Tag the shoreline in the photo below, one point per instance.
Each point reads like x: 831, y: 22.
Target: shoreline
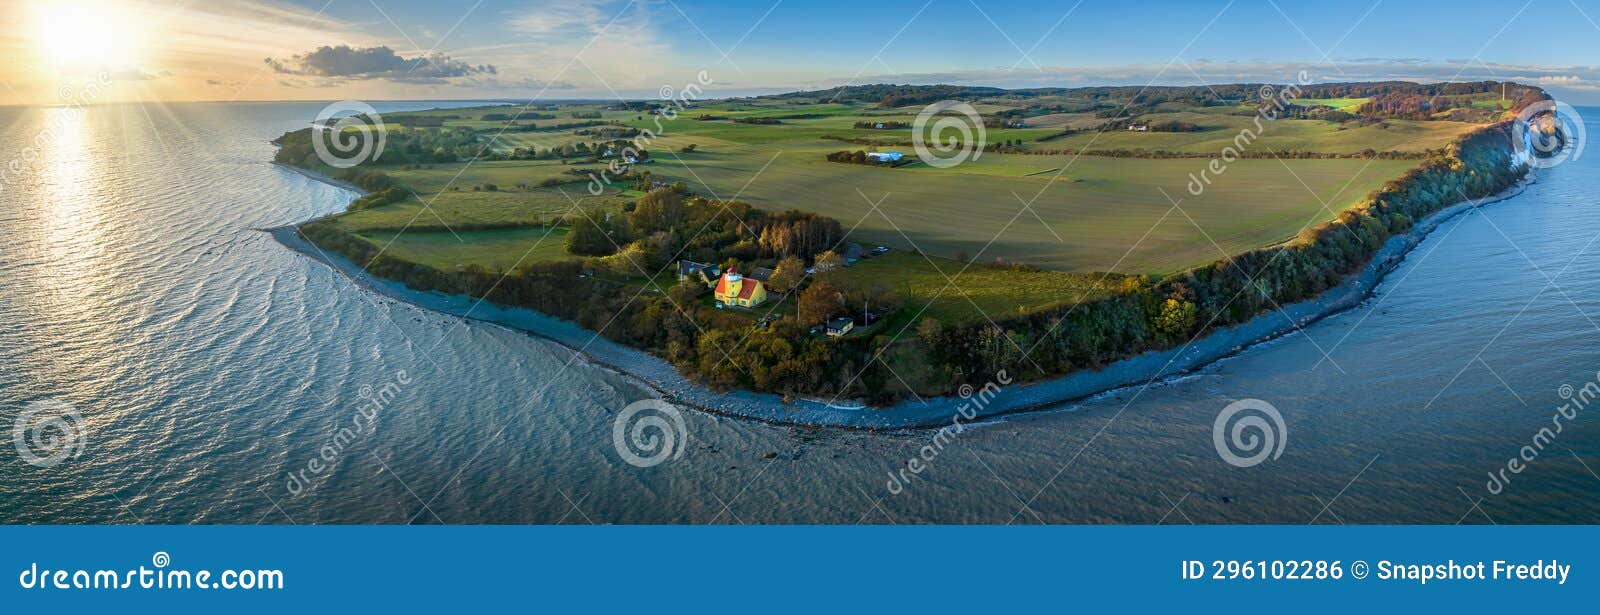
x: 337, y: 183
x: 1052, y: 394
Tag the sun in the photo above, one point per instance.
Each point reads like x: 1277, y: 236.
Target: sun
x: 87, y: 34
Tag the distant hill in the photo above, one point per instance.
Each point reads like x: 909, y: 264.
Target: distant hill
x: 887, y: 95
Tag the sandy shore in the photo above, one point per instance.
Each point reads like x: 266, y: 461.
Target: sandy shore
x: 654, y: 373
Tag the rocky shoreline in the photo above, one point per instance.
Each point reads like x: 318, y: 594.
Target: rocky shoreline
x: 654, y: 373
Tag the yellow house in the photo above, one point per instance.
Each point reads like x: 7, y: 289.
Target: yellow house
x: 738, y: 290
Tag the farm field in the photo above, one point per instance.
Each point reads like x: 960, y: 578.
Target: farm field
x: 952, y: 291
x: 505, y: 174
x: 475, y: 210
x: 497, y: 250
x: 1103, y: 214
x: 1084, y: 213
x: 1342, y: 104
x: 1220, y: 131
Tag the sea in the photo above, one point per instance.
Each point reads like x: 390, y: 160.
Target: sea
x: 163, y: 360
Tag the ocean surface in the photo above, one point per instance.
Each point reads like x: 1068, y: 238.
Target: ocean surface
x: 205, y: 374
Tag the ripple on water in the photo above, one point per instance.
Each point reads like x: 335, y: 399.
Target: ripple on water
x: 210, y: 363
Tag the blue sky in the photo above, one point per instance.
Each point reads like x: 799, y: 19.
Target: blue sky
x: 588, y: 48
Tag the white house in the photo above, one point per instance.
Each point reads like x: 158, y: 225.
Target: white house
x: 840, y: 326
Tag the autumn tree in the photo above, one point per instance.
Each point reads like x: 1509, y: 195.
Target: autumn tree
x: 592, y: 237
x: 660, y: 210
x: 819, y: 302
x: 787, y: 274
x: 797, y: 232
x: 829, y: 261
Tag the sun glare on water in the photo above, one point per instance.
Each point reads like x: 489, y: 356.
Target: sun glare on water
x: 87, y: 35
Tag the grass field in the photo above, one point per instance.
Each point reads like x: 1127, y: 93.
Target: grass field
x: 496, y: 250
x: 1343, y: 104
x: 505, y: 174
x: 1102, y: 212
x: 469, y: 210
x: 1220, y: 130
x: 1083, y: 213
x: 976, y: 293
x: 451, y: 200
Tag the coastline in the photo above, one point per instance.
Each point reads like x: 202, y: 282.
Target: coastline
x: 1056, y: 393
x: 337, y: 183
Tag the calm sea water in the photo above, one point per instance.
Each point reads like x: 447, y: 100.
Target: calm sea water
x: 208, y: 364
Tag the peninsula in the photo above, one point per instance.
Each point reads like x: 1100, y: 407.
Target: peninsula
x: 905, y: 246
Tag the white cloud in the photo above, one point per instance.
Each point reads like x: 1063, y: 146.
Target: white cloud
x: 593, y: 46
x: 559, y: 19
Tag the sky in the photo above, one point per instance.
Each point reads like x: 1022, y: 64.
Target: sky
x: 229, y: 50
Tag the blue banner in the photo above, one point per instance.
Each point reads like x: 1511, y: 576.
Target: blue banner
x: 796, y: 569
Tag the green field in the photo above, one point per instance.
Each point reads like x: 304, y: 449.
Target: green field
x: 1343, y: 104
x: 497, y: 250
x: 1220, y: 131
x: 1084, y: 213
x: 459, y: 207
x: 952, y: 291
x: 1099, y: 210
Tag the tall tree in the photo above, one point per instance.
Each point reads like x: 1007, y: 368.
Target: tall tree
x: 788, y: 274
x: 819, y: 302
x: 660, y: 210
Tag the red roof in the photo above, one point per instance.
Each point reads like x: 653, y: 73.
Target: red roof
x: 746, y: 291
